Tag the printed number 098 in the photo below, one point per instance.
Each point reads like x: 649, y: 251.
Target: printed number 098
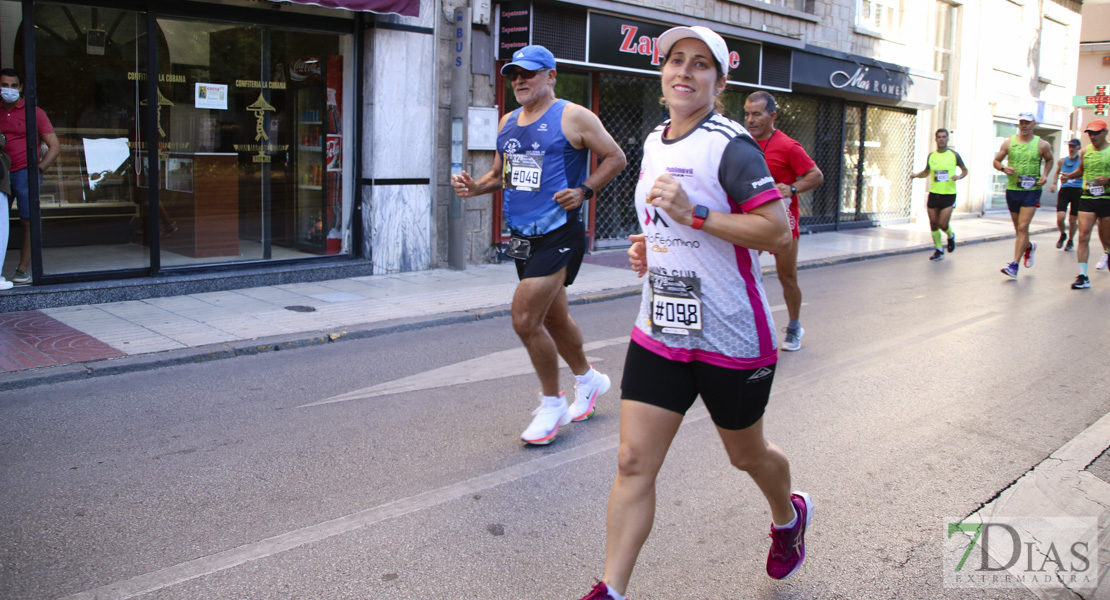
x: 670, y: 312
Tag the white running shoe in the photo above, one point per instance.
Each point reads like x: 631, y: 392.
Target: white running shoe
x: 5, y: 284
x: 586, y: 393
x: 548, y: 419
x: 793, y: 341
x: 1102, y: 262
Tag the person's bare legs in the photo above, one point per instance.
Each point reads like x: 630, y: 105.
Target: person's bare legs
x: 749, y: 451
x: 646, y: 433
x: 1021, y: 227
x: 1104, y: 232
x: 532, y: 301
x: 1083, y: 244
x: 786, y: 265
x: 944, y: 218
x: 566, y: 334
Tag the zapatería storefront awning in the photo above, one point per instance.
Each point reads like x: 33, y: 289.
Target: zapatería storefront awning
x: 406, y: 8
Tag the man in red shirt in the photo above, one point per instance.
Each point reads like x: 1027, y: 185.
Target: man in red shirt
x: 13, y: 125
x: 794, y: 172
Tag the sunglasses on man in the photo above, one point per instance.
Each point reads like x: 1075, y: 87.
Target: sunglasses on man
x: 525, y: 75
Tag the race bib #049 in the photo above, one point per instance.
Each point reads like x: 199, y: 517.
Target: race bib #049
x: 522, y: 172
x: 675, y: 305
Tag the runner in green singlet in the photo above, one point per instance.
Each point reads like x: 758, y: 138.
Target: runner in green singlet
x: 1026, y: 155
x: 941, y: 171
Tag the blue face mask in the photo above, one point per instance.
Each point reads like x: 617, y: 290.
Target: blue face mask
x: 9, y: 95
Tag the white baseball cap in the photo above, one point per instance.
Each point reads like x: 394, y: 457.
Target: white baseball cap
x: 715, y: 42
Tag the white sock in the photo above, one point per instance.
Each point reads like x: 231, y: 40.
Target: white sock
x: 614, y: 595
x: 587, y: 376
x: 789, y: 525
x: 552, y: 400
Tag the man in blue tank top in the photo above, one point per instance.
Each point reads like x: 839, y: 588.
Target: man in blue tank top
x: 1070, y: 191
x: 541, y: 164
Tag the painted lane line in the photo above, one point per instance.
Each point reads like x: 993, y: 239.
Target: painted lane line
x: 507, y: 363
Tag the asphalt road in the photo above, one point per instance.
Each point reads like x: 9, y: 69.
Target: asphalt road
x: 391, y: 467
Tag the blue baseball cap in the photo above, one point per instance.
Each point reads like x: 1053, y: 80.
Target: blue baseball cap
x: 1074, y: 142
x: 531, y: 58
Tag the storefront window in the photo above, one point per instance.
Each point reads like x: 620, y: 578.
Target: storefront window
x: 253, y: 143
x: 92, y: 213
x: 878, y: 159
x: 249, y: 139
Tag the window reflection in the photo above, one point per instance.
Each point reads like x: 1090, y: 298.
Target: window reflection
x: 106, y: 161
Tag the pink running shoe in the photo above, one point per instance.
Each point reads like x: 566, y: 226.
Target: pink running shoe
x: 599, y: 592
x: 788, y: 546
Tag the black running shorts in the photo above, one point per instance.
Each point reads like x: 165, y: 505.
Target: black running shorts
x: 1100, y: 206
x: 941, y: 200
x: 562, y: 247
x: 1069, y: 196
x: 735, y: 398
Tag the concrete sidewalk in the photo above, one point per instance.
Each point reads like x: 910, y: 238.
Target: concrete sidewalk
x: 78, y: 342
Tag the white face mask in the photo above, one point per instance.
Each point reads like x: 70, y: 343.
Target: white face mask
x: 9, y: 95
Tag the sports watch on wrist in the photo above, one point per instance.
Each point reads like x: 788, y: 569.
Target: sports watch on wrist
x: 701, y: 213
x: 587, y: 191
x: 793, y: 191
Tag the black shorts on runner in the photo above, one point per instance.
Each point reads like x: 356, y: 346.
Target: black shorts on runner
x: 1069, y: 197
x: 1101, y: 206
x: 562, y: 247
x: 941, y: 200
x: 735, y: 398
x: 1018, y: 199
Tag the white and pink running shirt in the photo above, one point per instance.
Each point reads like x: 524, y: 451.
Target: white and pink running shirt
x: 704, y: 298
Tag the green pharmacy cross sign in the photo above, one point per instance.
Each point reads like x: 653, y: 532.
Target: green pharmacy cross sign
x: 1100, y: 100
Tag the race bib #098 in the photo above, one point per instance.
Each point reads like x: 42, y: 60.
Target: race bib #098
x: 1026, y: 181
x: 675, y: 305
x: 522, y: 172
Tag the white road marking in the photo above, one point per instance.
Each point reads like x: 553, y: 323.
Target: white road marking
x: 507, y: 363
x: 1026, y: 494
x: 207, y: 565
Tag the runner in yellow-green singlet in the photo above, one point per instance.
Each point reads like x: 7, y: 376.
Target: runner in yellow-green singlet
x: 941, y: 171
x: 1028, y: 165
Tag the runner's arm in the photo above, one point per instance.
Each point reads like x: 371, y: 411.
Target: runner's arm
x: 998, y: 158
x: 960, y: 164
x: 1046, y: 156
x: 809, y: 180
x: 584, y: 130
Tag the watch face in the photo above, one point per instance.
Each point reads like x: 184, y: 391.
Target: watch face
x: 587, y: 192
x: 701, y: 211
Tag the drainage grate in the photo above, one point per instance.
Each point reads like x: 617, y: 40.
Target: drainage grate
x: 298, y: 308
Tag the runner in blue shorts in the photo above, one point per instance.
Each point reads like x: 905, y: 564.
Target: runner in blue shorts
x: 1028, y: 165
